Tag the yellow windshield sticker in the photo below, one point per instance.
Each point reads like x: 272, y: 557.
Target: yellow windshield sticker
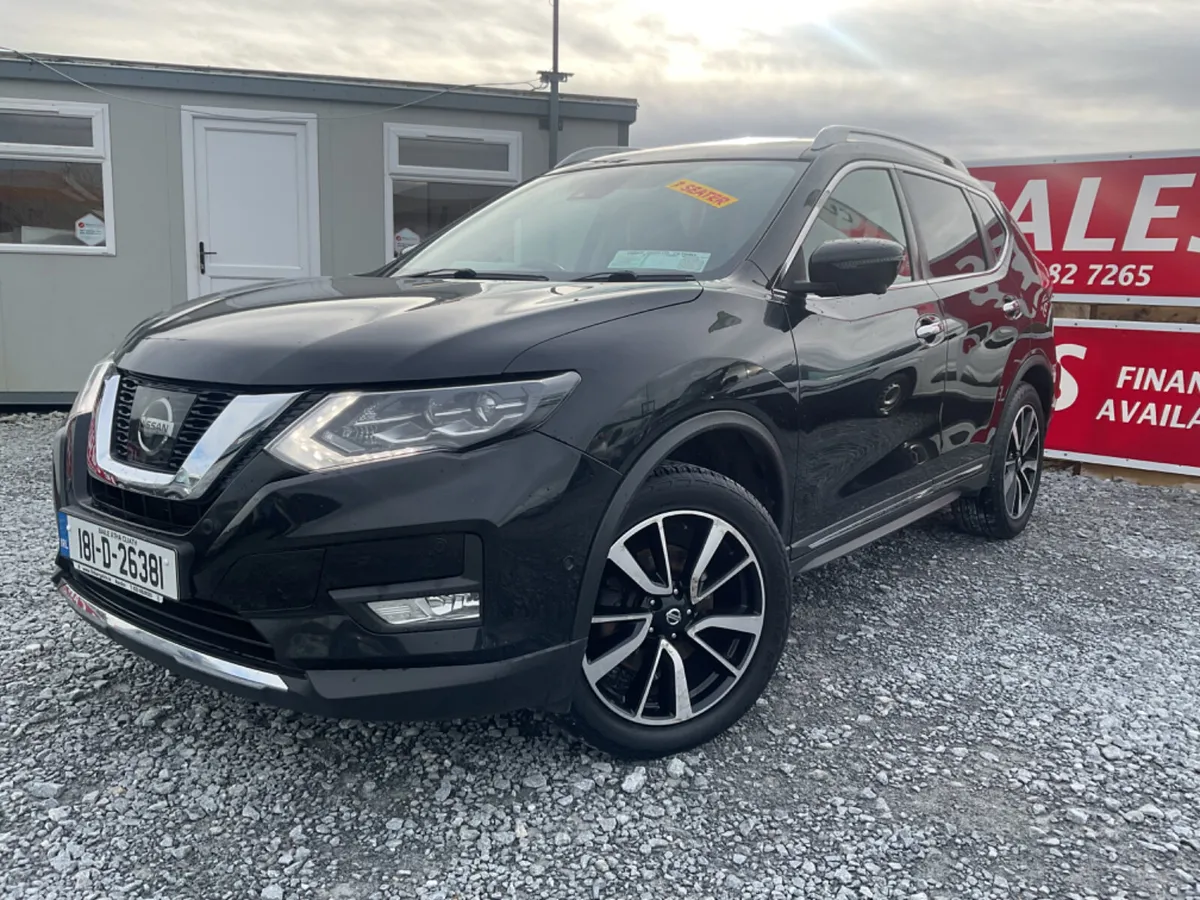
x: 702, y: 192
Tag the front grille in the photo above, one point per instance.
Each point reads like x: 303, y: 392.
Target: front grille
x: 175, y: 516
x: 194, y: 623
x: 180, y: 516
x: 208, y: 404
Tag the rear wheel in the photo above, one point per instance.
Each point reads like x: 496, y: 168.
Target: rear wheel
x: 691, y: 618
x: 1003, y: 508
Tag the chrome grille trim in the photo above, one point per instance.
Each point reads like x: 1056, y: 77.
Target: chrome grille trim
x: 237, y: 425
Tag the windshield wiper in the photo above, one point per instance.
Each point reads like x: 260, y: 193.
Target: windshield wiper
x: 471, y: 273
x: 628, y: 275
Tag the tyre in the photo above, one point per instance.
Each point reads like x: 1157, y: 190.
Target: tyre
x: 1003, y: 508
x: 691, y: 617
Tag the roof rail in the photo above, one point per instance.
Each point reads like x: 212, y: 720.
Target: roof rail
x: 838, y: 134
x: 588, y: 153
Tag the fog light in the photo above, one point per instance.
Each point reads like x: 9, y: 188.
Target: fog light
x: 448, y: 608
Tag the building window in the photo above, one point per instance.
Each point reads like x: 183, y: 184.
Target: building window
x: 55, y: 178
x: 438, y: 175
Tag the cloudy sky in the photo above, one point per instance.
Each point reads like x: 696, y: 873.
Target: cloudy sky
x: 981, y: 77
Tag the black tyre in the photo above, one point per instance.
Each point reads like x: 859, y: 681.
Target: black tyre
x: 1003, y: 508
x: 691, y: 618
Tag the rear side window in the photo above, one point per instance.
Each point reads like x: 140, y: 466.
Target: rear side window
x: 947, y: 226
x: 863, y: 204
x: 993, y: 227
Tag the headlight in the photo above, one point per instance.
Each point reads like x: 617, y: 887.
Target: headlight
x: 85, y: 400
x: 353, y: 428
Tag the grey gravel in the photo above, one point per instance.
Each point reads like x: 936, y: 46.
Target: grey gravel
x: 953, y: 719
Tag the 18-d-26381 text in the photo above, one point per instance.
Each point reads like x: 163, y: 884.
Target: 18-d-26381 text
x: 130, y: 562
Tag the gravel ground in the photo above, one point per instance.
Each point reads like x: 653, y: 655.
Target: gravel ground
x: 953, y: 719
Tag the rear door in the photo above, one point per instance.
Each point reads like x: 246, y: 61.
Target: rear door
x: 870, y: 374
x: 964, y: 243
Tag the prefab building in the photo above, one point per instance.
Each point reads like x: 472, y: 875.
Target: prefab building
x: 126, y: 188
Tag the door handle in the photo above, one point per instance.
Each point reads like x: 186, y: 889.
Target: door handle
x: 928, y: 329
x: 1011, y: 307
x: 203, y: 254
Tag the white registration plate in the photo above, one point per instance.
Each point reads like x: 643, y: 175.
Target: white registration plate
x: 123, y: 560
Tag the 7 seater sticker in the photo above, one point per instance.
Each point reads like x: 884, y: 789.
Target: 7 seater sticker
x: 703, y: 193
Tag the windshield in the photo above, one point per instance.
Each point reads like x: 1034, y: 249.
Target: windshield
x: 690, y: 219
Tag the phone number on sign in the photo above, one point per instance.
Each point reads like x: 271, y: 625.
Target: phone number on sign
x: 1107, y: 274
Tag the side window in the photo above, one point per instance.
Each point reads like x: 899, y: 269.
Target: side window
x: 993, y: 225
x: 863, y: 204
x: 946, y: 224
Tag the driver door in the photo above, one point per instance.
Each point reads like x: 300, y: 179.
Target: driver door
x: 871, y: 374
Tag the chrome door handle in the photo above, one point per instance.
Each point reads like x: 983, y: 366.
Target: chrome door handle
x: 1012, y: 307
x: 929, y: 329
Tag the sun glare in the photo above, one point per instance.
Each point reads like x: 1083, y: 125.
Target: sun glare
x: 695, y: 30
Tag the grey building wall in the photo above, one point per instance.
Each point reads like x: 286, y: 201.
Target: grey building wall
x: 59, y: 313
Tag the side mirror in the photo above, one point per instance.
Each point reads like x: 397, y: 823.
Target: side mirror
x: 847, y: 267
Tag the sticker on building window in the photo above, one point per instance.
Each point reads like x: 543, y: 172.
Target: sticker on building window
x: 702, y: 192
x: 90, y: 230
x: 672, y: 260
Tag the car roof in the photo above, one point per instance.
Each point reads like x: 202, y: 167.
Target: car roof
x: 842, y: 141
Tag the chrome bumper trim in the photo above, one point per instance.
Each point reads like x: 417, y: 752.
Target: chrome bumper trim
x: 194, y: 659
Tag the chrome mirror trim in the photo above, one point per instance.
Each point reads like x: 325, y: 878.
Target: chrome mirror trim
x: 239, y: 423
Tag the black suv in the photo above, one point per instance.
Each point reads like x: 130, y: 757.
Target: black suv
x: 569, y: 452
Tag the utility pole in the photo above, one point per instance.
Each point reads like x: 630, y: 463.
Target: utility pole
x: 554, y: 78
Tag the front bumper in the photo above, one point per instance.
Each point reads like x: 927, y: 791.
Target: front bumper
x: 276, y: 569
x: 540, y: 680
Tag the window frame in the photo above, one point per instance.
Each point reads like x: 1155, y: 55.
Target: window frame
x: 910, y: 237
x: 1000, y: 256
x: 99, y: 152
x: 917, y: 241
x: 395, y: 171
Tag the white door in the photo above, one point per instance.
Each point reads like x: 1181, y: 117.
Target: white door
x: 250, y: 197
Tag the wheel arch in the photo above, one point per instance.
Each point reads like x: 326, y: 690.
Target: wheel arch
x: 654, y: 454
x: 1038, y: 371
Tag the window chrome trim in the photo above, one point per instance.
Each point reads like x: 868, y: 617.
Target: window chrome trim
x: 238, y: 424
x: 1001, y: 255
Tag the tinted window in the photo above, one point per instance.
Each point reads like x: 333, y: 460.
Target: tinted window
x: 448, y: 153
x: 863, y: 204
x: 45, y: 128
x: 946, y: 225
x: 993, y: 227
x: 44, y: 201
x: 419, y: 208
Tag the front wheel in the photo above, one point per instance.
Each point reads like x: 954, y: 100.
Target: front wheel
x: 1003, y: 508
x: 691, y: 618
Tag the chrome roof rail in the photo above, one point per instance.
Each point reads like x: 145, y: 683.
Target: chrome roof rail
x: 840, y: 134
x: 589, y: 153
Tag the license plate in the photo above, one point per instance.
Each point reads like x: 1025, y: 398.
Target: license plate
x: 128, y: 562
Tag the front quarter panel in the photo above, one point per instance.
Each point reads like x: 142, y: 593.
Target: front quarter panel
x: 642, y: 375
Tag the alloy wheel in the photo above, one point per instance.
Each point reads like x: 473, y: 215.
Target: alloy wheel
x: 678, y: 619
x: 1021, y: 461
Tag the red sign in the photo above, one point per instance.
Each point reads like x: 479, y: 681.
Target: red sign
x: 1126, y: 229
x: 1128, y: 395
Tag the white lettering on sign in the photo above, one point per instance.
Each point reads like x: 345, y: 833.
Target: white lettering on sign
x: 1068, y: 387
x: 1081, y: 217
x: 1146, y: 208
x: 1170, y: 416
x: 1031, y: 212
x: 1138, y: 412
x: 1145, y: 379
x: 1036, y: 197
